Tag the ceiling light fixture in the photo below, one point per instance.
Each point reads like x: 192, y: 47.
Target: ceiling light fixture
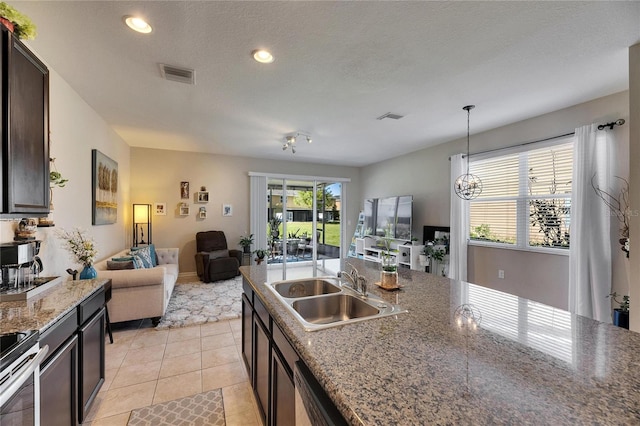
x: 290, y: 141
x: 262, y: 56
x: 137, y: 24
x: 468, y: 186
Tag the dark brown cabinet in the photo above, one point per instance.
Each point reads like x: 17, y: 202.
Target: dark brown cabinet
x: 58, y: 393
x: 73, y: 372
x: 24, y: 109
x: 269, y: 357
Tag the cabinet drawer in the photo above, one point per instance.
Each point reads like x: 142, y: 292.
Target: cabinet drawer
x: 262, y: 312
x: 93, y: 304
x: 288, y: 353
x: 59, y: 332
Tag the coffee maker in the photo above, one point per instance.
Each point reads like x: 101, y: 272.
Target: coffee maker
x: 17, y: 260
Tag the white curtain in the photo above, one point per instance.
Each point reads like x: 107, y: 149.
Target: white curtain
x: 590, y: 252
x: 258, y: 215
x: 459, y: 222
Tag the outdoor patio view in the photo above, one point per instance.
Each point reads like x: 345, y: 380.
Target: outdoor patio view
x: 293, y: 222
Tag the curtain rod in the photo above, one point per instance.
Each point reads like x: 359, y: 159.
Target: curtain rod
x: 618, y: 122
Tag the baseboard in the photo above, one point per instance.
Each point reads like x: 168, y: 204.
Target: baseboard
x: 188, y: 277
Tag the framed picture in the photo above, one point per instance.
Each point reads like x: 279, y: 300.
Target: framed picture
x: 184, y: 190
x: 160, y: 209
x: 202, y: 196
x: 184, y: 209
x: 104, y: 189
x: 227, y: 210
x: 202, y: 213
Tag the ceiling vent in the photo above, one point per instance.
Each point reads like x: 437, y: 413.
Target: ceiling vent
x: 181, y: 75
x: 391, y: 116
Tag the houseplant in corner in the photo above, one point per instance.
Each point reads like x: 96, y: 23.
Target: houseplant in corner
x: 16, y: 22
x: 621, y: 313
x: 245, y: 242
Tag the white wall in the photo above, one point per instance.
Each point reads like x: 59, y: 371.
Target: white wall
x: 425, y: 174
x: 156, y: 176
x: 75, y: 129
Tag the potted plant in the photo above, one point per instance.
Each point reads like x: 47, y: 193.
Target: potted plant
x: 389, y: 274
x: 274, y: 226
x: 245, y: 242
x: 19, y: 24
x: 436, y: 255
x: 260, y: 255
x: 621, y: 313
x: 55, y: 180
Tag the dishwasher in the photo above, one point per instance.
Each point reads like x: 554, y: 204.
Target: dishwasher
x: 313, y: 405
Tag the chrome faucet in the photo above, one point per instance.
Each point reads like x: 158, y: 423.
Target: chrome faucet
x: 358, y: 282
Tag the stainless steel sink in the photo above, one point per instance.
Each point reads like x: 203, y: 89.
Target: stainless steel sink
x: 305, y: 287
x: 333, y: 308
x: 323, y: 302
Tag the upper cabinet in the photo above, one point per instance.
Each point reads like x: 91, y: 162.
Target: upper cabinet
x: 24, y: 108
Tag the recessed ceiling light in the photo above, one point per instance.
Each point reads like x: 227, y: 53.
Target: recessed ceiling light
x: 137, y: 24
x: 262, y: 56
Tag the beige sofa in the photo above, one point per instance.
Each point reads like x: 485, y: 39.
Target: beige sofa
x: 141, y: 293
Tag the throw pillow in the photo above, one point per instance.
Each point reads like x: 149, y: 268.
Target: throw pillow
x: 152, y: 250
x: 144, y: 253
x: 137, y: 263
x: 120, y: 265
x: 217, y: 254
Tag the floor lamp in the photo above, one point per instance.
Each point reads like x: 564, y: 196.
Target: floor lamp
x: 141, y: 221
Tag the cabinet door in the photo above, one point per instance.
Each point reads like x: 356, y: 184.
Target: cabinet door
x: 91, y: 361
x: 261, y: 356
x: 283, y: 410
x: 58, y: 387
x: 247, y: 334
x: 27, y: 162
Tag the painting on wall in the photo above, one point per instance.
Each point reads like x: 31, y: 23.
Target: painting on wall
x: 227, y: 210
x: 104, y: 189
x: 184, y: 190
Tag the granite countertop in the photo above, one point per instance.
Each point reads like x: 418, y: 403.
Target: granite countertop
x: 44, y: 309
x: 527, y: 363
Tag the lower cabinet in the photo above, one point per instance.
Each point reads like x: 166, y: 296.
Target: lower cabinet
x: 73, y: 372
x: 91, y: 374
x: 269, y: 358
x: 261, y: 373
x: 58, y: 392
x: 283, y: 393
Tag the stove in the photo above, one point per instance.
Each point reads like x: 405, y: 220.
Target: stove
x: 13, y: 345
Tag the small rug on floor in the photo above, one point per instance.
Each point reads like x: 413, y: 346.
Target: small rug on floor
x: 200, y: 303
x: 203, y: 409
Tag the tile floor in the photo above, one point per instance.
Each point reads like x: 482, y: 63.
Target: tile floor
x: 145, y: 366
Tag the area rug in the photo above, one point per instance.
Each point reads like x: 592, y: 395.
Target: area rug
x: 200, y: 303
x: 203, y: 409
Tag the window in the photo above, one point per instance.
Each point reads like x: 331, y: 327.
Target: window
x: 526, y: 198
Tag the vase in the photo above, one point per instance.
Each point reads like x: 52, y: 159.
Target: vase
x: 88, y: 273
x: 389, y: 279
x: 621, y: 318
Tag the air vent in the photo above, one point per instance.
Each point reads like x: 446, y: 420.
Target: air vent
x: 181, y: 75
x: 391, y: 116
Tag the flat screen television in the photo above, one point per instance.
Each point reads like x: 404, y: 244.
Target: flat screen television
x: 389, y: 216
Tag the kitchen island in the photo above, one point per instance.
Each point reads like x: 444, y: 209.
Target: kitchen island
x: 527, y: 363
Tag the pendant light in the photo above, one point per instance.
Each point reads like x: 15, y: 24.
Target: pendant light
x: 468, y: 186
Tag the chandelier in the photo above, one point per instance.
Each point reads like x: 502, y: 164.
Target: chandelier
x: 290, y: 141
x: 468, y: 186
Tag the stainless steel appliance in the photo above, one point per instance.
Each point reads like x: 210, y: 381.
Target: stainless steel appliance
x: 15, y: 259
x: 20, y: 359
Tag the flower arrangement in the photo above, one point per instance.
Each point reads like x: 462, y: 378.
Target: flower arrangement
x: 80, y: 245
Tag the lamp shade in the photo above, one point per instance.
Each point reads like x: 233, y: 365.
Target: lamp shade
x: 141, y: 213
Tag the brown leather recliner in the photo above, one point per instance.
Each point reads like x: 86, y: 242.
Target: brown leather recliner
x: 214, y: 261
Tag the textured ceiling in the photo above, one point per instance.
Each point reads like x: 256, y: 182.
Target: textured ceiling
x: 338, y: 66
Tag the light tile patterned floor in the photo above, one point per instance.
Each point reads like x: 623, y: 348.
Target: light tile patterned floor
x: 145, y: 366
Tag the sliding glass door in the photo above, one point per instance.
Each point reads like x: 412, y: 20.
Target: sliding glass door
x: 303, y: 225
